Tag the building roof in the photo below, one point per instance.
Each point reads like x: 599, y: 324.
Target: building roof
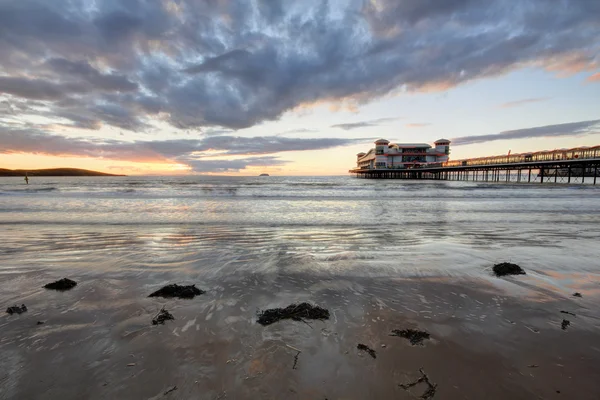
x: 368, y: 157
x: 412, y: 145
x: 441, y: 140
x: 382, y: 141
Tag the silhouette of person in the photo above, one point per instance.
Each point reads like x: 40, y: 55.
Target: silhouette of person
x: 26, y: 180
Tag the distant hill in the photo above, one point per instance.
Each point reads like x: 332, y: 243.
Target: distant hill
x: 53, y: 172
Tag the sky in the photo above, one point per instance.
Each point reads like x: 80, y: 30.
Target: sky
x: 290, y: 87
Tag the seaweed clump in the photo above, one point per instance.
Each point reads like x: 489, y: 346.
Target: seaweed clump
x: 162, y: 316
x: 61, y: 285
x: 416, y: 337
x: 296, y: 312
x: 364, y: 347
x: 179, y: 291
x: 16, y: 309
x: 505, y: 268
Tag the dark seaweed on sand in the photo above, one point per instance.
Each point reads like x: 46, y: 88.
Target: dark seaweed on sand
x: 296, y: 312
x: 61, y: 284
x: 505, y: 268
x: 364, y: 347
x: 162, y: 316
x: 416, y: 337
x: 16, y: 309
x: 179, y: 291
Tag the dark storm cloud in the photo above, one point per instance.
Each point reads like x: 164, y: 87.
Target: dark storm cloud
x: 568, y: 129
x: 38, y: 20
x: 362, y: 124
x: 38, y: 89
x: 84, y: 70
x: 413, y: 11
x: 235, y: 64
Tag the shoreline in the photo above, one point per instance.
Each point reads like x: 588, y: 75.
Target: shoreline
x: 53, y: 172
x: 484, y: 339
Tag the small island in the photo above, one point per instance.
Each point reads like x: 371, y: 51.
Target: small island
x: 264, y: 175
x: 53, y: 172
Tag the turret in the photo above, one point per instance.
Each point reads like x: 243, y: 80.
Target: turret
x: 442, y: 146
x: 381, y: 146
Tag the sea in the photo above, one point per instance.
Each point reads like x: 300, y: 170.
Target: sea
x: 379, y: 255
x: 266, y: 224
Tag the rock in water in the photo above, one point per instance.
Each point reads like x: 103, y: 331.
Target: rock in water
x: 505, y: 268
x: 16, y: 309
x: 416, y: 337
x: 296, y: 312
x: 61, y: 285
x: 179, y: 291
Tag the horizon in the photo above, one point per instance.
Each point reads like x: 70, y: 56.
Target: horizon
x: 238, y: 89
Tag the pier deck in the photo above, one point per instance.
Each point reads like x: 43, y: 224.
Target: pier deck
x: 582, y: 171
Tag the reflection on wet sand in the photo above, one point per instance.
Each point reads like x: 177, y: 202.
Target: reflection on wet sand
x: 483, y: 340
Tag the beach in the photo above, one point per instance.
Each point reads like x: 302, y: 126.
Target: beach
x: 379, y: 255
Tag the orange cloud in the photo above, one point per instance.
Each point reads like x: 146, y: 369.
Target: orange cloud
x: 594, y: 78
x: 567, y: 65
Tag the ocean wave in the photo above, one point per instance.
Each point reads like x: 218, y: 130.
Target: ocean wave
x: 28, y: 190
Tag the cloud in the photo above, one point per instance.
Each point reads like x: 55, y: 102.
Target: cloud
x: 362, y: 124
x: 235, y: 64
x: 297, y: 130
x: 516, y: 103
x: 233, y: 165
x: 594, y: 78
x: 37, y: 141
x: 82, y: 69
x: 38, y: 89
x: 568, y: 129
x: 417, y: 125
x: 235, y: 145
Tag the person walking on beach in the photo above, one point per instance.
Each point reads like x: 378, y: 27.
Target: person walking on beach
x: 26, y: 179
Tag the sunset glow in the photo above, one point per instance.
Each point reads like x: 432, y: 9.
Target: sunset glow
x: 134, y: 89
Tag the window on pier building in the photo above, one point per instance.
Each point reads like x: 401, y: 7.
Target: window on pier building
x: 415, y: 150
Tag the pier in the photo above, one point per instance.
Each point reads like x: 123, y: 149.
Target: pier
x: 521, y: 169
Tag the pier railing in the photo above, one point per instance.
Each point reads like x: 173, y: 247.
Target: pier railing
x: 582, y: 171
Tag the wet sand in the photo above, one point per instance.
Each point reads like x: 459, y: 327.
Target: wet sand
x: 492, y: 338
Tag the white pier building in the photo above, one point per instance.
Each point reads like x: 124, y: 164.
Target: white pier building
x: 388, y: 155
